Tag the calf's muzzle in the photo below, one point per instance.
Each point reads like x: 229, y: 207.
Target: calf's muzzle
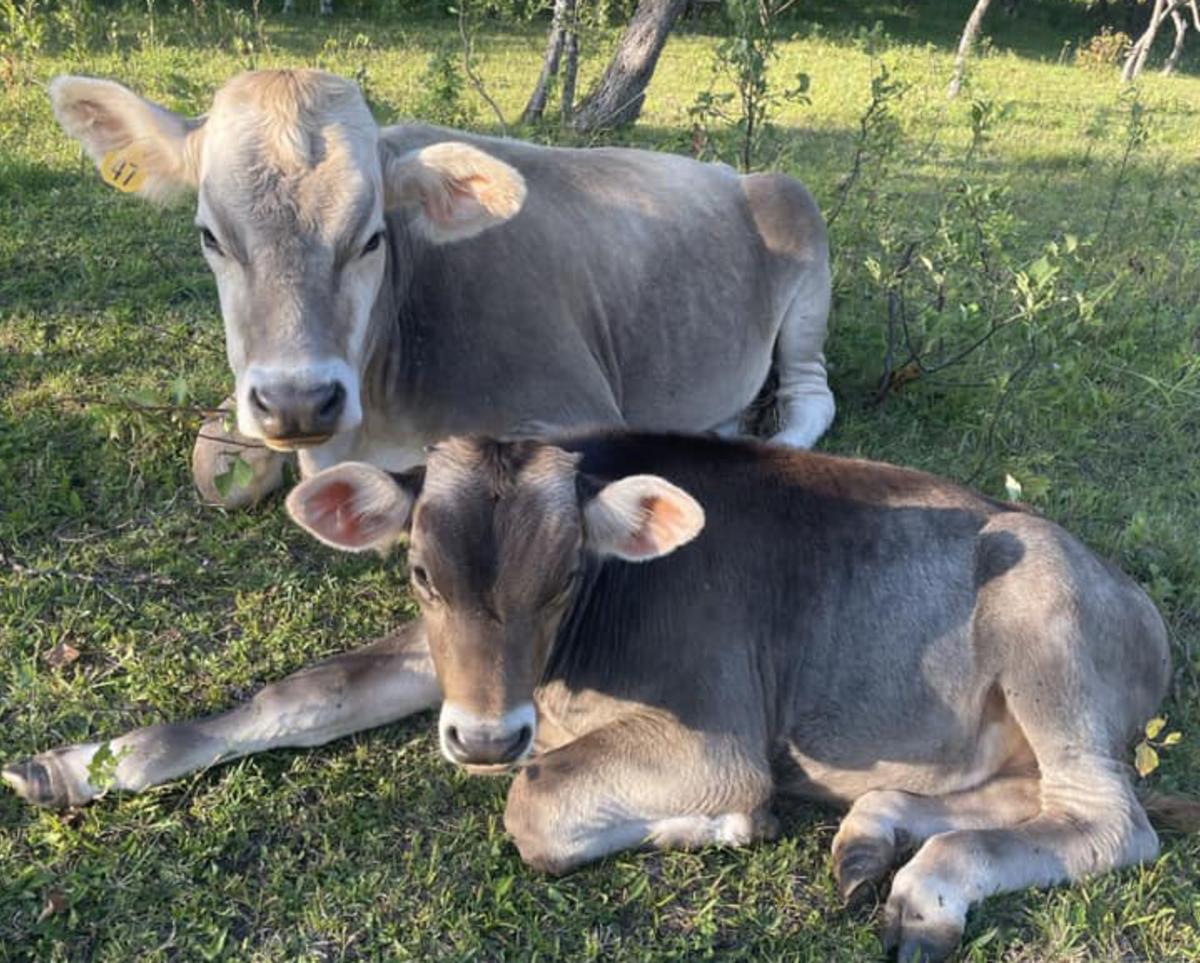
x: 483, y: 743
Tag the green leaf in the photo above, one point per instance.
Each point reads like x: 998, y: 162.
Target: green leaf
x: 223, y: 482
x: 1012, y: 487
x: 102, y: 770
x: 243, y: 472
x: 1040, y: 271
x: 145, y: 397
x: 1155, y: 726
x: 180, y: 392
x: 1145, y: 759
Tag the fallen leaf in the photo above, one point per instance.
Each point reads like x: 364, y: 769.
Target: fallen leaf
x: 62, y: 654
x: 1145, y: 759
x: 903, y: 375
x: 56, y: 902
x: 1155, y: 726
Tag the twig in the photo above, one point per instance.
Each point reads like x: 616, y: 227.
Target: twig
x: 476, y: 82
x: 973, y: 346
x: 885, y: 379
x: 153, y: 409
x: 226, y: 440
x: 26, y: 571
x: 878, y: 103
x: 895, y: 315
x: 1015, y: 379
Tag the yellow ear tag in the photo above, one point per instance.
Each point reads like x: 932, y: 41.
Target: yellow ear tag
x: 124, y: 169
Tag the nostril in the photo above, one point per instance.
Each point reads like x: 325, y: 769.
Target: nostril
x: 257, y: 403
x: 454, y: 742
x: 333, y: 403
x: 515, y: 746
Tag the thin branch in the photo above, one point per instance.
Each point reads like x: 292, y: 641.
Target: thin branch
x: 227, y: 440
x: 28, y: 571
x: 476, y: 82
x: 895, y: 317
x: 1018, y: 376
x: 129, y: 405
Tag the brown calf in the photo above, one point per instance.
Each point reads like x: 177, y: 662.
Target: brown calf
x: 963, y: 675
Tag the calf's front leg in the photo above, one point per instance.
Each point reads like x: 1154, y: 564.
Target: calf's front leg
x: 637, y: 782
x: 370, y: 686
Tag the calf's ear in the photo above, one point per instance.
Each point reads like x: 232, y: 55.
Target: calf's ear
x: 352, y: 506
x: 455, y: 190
x: 641, y: 517
x: 138, y: 146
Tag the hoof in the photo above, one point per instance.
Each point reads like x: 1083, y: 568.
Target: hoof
x: 915, y: 933
x: 858, y: 868
x: 32, y: 782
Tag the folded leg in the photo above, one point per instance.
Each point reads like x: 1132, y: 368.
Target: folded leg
x: 883, y: 823
x: 1087, y: 821
x: 637, y: 782
x: 218, y: 446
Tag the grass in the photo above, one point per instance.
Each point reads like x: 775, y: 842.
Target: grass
x: 374, y: 848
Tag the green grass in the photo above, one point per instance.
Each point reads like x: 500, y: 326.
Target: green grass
x: 373, y: 847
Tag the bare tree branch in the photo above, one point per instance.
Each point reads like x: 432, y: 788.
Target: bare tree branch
x: 469, y: 70
x: 967, y: 41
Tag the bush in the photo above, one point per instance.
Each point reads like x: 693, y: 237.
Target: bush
x: 1106, y: 49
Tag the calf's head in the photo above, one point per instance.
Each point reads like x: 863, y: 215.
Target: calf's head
x: 292, y: 183
x: 498, y: 533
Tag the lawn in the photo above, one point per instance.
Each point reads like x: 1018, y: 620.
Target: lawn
x: 1017, y: 306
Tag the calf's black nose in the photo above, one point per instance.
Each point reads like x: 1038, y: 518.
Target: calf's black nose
x: 285, y: 412
x: 476, y: 749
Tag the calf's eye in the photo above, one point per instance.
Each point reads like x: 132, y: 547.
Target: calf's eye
x: 420, y: 579
x: 373, y: 243
x: 209, y: 240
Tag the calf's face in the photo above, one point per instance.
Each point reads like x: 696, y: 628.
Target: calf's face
x: 292, y: 184
x: 498, y: 533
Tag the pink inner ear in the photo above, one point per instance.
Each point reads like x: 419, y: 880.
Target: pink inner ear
x: 459, y: 202
x: 644, y: 541
x: 331, y: 511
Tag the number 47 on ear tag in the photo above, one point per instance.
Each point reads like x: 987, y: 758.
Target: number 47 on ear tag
x: 124, y: 169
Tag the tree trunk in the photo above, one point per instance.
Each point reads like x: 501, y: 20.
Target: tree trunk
x: 554, y: 46
x: 1140, y: 50
x: 1181, y: 26
x: 618, y: 97
x: 969, y: 35
x: 570, y: 70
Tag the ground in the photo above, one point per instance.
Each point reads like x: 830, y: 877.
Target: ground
x: 1044, y: 198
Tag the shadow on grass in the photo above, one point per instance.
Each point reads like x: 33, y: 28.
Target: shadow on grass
x: 1046, y: 32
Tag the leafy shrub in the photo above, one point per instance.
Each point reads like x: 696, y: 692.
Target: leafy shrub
x: 1105, y: 50
x: 442, y: 101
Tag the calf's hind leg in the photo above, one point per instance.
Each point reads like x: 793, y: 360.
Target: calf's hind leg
x: 370, y: 686
x: 882, y: 823
x: 1089, y: 822
x: 636, y: 782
